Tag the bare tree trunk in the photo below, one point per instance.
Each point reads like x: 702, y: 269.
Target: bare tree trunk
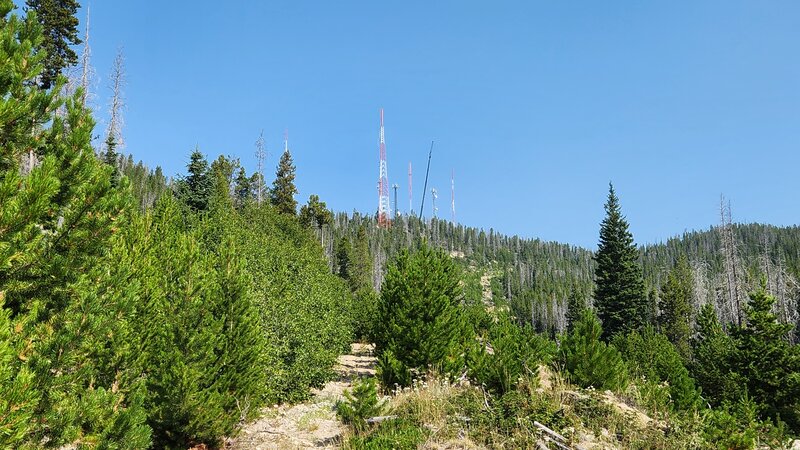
x: 116, y: 122
x: 731, y: 263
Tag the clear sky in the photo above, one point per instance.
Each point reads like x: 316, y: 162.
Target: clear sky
x: 536, y: 105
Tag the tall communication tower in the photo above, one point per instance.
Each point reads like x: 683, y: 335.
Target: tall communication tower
x: 383, y: 183
x: 453, y: 195
x: 410, y: 207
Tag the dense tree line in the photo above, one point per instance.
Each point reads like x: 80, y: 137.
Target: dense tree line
x: 137, y: 312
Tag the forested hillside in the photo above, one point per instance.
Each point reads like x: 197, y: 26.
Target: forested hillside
x: 540, y: 278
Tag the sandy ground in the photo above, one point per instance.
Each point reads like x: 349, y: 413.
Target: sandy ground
x: 312, y: 424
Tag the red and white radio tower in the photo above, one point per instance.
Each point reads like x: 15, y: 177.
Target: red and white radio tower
x: 383, y: 184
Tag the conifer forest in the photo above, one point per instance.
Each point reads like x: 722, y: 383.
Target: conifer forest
x: 144, y: 310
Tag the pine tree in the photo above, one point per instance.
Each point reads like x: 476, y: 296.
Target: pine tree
x: 421, y: 320
x: 343, y: 255
x: 111, y: 157
x: 360, y: 268
x: 283, y: 188
x: 576, y: 304
x: 767, y: 361
x: 195, y: 189
x: 712, y: 356
x: 676, y: 306
x: 619, y: 293
x: 315, y: 213
x: 242, y: 189
x: 588, y: 360
x: 58, y: 222
x: 60, y: 30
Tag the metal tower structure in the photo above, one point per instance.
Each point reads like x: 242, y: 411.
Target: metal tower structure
x: 396, y: 207
x: 410, y: 208
x: 453, y: 195
x: 383, y: 183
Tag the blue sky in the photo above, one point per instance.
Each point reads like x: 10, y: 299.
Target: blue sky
x: 536, y: 106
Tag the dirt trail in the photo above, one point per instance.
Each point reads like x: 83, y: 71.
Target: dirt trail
x: 312, y: 424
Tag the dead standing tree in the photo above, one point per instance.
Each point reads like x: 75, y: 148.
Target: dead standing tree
x: 731, y: 310
x: 261, y: 156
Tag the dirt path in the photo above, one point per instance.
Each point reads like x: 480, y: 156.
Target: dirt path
x: 312, y: 424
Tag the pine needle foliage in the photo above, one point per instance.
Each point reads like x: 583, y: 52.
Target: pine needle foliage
x: 360, y: 404
x: 587, y: 360
x: 619, y: 294
x: 283, y: 188
x: 421, y: 324
x: 507, y: 354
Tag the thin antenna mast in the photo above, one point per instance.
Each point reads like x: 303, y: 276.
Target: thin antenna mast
x: 410, y: 208
x: 424, y: 188
x: 396, y: 207
x: 453, y: 195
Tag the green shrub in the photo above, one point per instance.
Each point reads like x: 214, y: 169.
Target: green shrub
x: 396, y: 434
x: 305, y: 310
x: 359, y: 405
x: 507, y: 353
x: 737, y: 426
x: 651, y: 355
x: 587, y: 360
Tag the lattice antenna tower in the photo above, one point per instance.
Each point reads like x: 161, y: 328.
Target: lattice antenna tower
x: 383, y: 182
x: 261, y: 156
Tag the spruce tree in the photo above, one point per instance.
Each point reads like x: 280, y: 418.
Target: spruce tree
x: 283, y: 188
x: 315, y: 214
x: 676, y: 306
x: 619, y: 293
x: 421, y: 321
x: 60, y: 30
x: 195, y: 189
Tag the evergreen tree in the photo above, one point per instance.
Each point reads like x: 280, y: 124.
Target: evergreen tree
x: 421, y: 320
x: 767, y: 361
x: 315, y: 213
x: 60, y: 30
x: 576, y: 304
x: 195, y: 189
x: 588, y: 360
x: 57, y: 225
x: 619, y: 293
x: 242, y: 189
x: 111, y: 157
x: 343, y: 254
x: 676, y: 306
x: 283, y: 188
x: 712, y: 355
x: 360, y: 267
